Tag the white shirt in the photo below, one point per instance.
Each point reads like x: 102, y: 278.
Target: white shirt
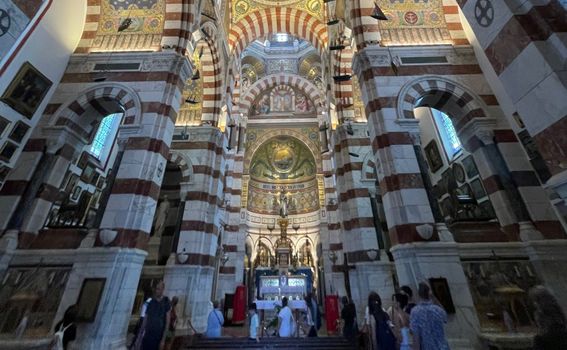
x: 286, y: 325
x: 254, y: 326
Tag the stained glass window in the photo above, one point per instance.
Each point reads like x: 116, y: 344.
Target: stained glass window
x: 448, y: 134
x: 105, y: 134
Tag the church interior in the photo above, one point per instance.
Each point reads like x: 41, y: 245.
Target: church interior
x: 253, y: 149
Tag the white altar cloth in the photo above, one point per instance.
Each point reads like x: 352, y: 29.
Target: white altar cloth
x: 271, y: 304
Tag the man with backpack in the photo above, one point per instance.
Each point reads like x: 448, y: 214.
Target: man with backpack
x: 65, y: 330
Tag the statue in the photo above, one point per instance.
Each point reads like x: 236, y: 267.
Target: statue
x: 160, y: 217
x: 284, y: 203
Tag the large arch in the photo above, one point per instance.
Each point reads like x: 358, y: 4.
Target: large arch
x: 103, y: 98
x: 443, y: 94
x: 270, y: 81
x: 211, y: 74
x: 277, y: 20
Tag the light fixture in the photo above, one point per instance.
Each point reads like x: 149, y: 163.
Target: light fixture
x: 231, y: 125
x: 378, y: 14
x: 333, y: 257
x: 372, y: 254
x: 295, y: 227
x: 125, y: 24
x: 354, y: 154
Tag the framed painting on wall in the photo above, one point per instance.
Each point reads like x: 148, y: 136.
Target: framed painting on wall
x: 433, y: 156
x: 470, y: 167
x: 89, y: 299
x: 19, y: 132
x: 8, y: 151
x: 26, y: 92
x: 3, y: 125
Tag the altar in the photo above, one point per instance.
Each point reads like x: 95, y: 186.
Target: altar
x: 274, y: 288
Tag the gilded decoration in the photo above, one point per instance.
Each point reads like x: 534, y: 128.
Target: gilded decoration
x: 283, y: 159
x: 281, y: 164
x: 241, y: 8
x: 144, y: 32
x: 190, y: 113
x: 282, y: 99
x: 413, y: 22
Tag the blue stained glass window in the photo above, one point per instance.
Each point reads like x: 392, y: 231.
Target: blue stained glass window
x: 105, y: 135
x: 448, y: 134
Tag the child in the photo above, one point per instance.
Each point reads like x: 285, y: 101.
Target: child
x: 254, y: 323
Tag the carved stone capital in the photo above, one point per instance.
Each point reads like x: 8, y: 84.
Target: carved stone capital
x: 411, y: 126
x: 481, y: 128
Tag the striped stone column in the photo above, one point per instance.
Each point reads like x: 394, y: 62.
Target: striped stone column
x: 516, y: 37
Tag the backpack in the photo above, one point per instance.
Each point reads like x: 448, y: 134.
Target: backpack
x: 384, y: 336
x: 57, y: 342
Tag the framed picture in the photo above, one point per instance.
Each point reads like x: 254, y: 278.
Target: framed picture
x: 89, y: 299
x: 470, y: 167
x: 88, y: 173
x: 19, y: 132
x: 8, y: 151
x: 76, y: 193
x: 477, y: 189
x: 433, y: 156
x: 4, y: 170
x: 26, y: 92
x: 459, y: 172
x: 441, y: 291
x: 73, y: 178
x: 3, y: 125
x: 83, y: 160
x: 100, y: 182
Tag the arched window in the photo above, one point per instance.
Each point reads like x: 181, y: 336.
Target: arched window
x: 105, y: 135
x: 447, y: 133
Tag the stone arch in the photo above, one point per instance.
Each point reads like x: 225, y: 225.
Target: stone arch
x: 461, y: 104
x: 184, y: 164
x: 211, y: 68
x: 179, y: 19
x: 269, y: 81
x: 103, y: 98
x: 277, y: 20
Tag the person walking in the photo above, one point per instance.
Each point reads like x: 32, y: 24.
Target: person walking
x: 409, y: 293
x: 254, y: 330
x: 348, y: 315
x: 214, y: 322
x: 383, y: 337
x: 156, y: 319
x: 426, y: 322
x: 550, y: 320
x: 285, y: 320
x: 170, y: 333
x: 314, y: 315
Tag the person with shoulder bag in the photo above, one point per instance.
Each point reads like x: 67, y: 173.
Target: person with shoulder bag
x: 65, y: 330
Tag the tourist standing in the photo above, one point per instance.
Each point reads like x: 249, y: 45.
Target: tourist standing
x: 214, y: 322
x: 156, y: 319
x: 550, y: 320
x: 254, y: 330
x: 67, y: 327
x: 170, y: 333
x: 427, y: 321
x: 313, y: 310
x: 401, y: 321
x: 348, y: 315
x: 285, y: 320
x: 383, y: 337
x: 409, y: 293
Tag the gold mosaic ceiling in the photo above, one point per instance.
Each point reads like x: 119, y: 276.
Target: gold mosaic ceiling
x: 240, y: 8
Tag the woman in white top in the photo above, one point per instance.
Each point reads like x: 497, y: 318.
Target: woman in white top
x: 285, y: 320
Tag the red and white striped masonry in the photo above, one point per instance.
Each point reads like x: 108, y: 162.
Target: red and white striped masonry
x: 270, y: 81
x: 277, y: 20
x: 530, y: 35
x: 342, y: 65
x: 211, y: 74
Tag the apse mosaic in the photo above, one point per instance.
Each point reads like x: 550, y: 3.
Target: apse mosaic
x: 143, y: 32
x: 15, y: 16
x: 241, y: 8
x: 282, y: 99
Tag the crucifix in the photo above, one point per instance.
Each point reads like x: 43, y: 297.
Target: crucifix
x: 344, y: 268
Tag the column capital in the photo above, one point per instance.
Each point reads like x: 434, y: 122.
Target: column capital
x: 371, y: 56
x: 481, y: 128
x: 411, y: 126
